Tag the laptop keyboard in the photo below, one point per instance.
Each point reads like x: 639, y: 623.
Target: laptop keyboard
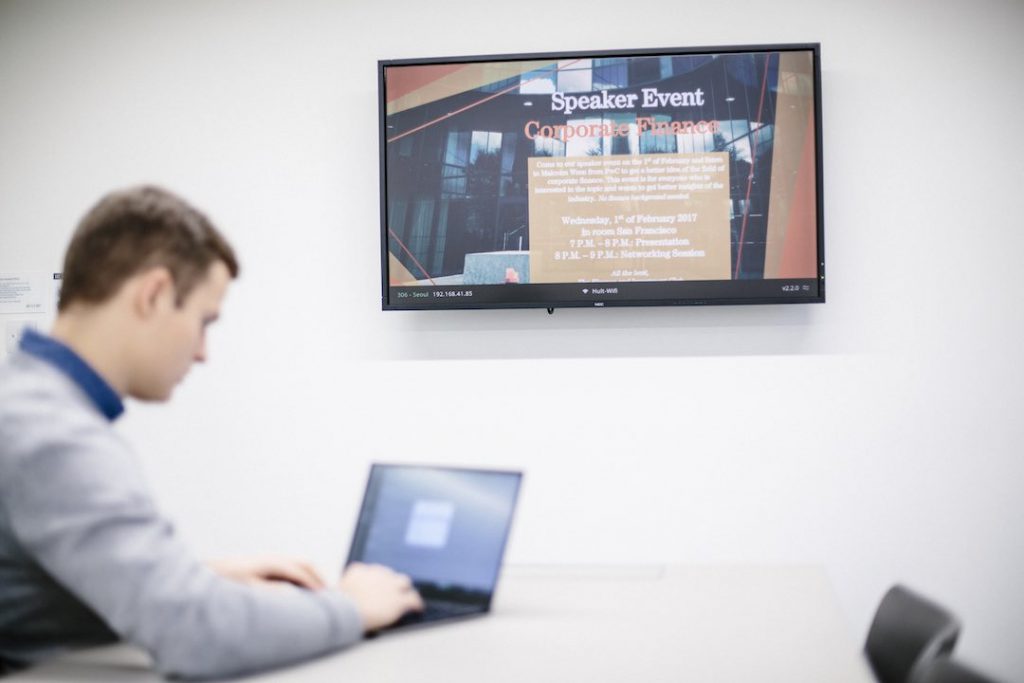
x: 436, y: 610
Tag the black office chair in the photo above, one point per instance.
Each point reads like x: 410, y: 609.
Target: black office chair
x: 948, y: 670
x: 907, y: 633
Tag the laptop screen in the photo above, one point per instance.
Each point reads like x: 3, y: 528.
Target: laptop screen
x: 444, y: 527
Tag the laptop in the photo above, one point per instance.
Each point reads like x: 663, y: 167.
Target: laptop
x: 445, y: 527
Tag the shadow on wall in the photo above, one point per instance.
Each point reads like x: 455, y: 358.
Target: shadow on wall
x: 608, y: 333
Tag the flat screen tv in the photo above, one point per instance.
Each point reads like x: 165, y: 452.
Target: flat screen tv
x: 617, y: 178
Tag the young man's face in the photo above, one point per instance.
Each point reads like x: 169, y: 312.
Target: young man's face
x: 178, y: 337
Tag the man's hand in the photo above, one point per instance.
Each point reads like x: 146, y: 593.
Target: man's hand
x: 382, y: 595
x: 268, y: 570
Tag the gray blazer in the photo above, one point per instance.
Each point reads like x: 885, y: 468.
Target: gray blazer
x: 86, y: 558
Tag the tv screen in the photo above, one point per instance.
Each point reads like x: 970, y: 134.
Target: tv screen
x: 623, y: 178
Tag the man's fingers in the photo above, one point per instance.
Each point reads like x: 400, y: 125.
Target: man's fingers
x: 268, y: 570
x: 415, y: 603
x: 299, y: 573
x: 382, y: 595
x: 313, y: 577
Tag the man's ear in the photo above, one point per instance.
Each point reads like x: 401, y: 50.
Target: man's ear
x: 154, y: 289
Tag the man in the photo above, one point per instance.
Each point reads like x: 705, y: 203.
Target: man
x: 85, y: 556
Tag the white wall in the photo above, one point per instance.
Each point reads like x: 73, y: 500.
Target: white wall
x: 877, y: 434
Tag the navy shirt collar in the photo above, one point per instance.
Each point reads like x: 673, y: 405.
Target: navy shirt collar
x: 66, y: 360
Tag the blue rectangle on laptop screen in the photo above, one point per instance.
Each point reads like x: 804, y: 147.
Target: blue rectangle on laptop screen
x: 442, y: 526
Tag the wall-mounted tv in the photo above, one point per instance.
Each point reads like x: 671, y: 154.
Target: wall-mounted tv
x: 617, y: 178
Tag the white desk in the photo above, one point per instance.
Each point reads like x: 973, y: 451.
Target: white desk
x: 705, y: 624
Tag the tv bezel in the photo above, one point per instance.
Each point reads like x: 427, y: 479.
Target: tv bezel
x: 462, y: 304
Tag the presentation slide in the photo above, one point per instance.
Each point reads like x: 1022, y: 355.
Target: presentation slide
x: 681, y: 168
